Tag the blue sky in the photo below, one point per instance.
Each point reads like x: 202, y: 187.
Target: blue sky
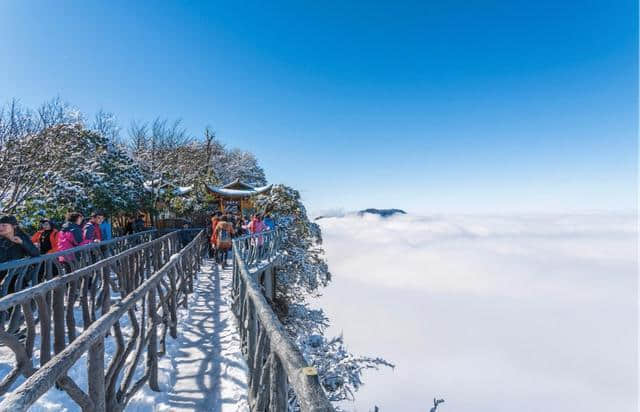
x: 428, y: 106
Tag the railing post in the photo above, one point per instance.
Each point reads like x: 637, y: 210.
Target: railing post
x: 278, y: 386
x: 96, y: 375
x: 152, y: 350
x: 58, y: 320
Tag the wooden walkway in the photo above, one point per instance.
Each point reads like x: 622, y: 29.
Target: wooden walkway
x: 117, y: 359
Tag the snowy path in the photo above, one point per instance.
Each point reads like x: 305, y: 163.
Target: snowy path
x: 211, y: 374
x: 204, y: 369
x: 205, y: 364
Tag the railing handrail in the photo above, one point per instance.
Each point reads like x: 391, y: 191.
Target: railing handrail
x: 55, y: 369
x: 49, y: 256
x: 302, y: 378
x: 24, y: 295
x: 255, y: 235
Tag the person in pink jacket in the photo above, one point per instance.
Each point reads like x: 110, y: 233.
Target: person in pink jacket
x: 69, y: 237
x: 257, y: 226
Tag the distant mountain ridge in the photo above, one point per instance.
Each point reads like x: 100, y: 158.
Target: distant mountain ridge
x: 382, y: 212
x: 372, y: 211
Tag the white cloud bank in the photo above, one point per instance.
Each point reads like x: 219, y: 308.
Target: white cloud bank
x: 492, y: 313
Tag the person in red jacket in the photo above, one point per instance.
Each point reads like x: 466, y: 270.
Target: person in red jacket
x: 223, y: 232
x: 91, y: 230
x: 214, y: 222
x: 46, y: 239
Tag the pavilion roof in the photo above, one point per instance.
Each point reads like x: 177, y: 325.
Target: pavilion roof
x: 237, y: 190
x: 238, y: 185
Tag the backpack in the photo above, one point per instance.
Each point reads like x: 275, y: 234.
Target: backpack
x: 224, y: 236
x: 224, y: 239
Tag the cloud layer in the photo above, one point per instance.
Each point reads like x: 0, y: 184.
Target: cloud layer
x: 499, y: 313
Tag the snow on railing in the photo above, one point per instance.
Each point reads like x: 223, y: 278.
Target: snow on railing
x: 275, y: 363
x: 129, y: 300
x: 24, y: 273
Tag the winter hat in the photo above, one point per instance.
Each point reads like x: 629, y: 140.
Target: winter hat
x: 9, y: 219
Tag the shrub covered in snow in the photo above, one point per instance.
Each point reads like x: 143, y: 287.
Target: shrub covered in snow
x: 303, y: 273
x: 51, y: 163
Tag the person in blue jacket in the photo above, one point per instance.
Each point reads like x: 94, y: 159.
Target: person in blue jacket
x: 268, y: 221
x: 105, y: 229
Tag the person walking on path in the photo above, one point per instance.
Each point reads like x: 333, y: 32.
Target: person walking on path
x: 224, y: 232
x: 214, y: 222
x: 46, y: 239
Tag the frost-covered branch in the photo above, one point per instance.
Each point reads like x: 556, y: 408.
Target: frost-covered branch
x: 303, y: 272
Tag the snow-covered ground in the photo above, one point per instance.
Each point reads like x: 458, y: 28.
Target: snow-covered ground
x: 491, y: 313
x: 204, y: 369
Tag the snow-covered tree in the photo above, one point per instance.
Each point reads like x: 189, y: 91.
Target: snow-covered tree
x: 20, y: 178
x: 23, y: 168
x: 304, y: 269
x: 84, y: 171
x: 302, y: 274
x: 230, y: 165
x: 177, y: 167
x: 106, y: 124
x: 56, y: 111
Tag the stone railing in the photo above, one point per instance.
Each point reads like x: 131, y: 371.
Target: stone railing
x: 275, y: 363
x: 130, y: 298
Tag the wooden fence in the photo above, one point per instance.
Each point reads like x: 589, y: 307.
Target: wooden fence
x: 141, y: 287
x: 22, y: 273
x: 275, y: 363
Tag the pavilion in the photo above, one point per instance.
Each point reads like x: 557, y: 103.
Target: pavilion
x: 236, y: 194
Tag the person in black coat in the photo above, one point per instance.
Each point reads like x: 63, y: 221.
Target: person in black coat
x: 184, y: 235
x: 14, y: 243
x: 138, y: 224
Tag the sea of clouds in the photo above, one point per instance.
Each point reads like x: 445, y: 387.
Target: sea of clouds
x: 490, y: 312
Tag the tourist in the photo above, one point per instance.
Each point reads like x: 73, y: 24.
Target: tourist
x: 128, y: 227
x: 214, y: 222
x: 105, y: 229
x: 138, y: 224
x: 46, y: 239
x: 185, y: 235
x: 256, y: 225
x: 224, y: 232
x: 14, y: 243
x: 239, y: 227
x: 269, y: 223
x: 69, y: 237
x: 91, y: 230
